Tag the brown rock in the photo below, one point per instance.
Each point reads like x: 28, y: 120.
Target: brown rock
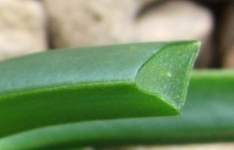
x: 227, y: 37
x: 22, y: 28
x: 215, y: 1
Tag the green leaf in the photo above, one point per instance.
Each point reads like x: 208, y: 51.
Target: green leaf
x: 121, y: 81
x: 207, y: 117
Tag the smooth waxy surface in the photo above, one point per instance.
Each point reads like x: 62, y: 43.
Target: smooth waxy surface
x: 207, y: 117
x: 122, y: 81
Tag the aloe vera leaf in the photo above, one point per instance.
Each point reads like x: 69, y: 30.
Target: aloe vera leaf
x: 206, y: 117
x: 121, y: 81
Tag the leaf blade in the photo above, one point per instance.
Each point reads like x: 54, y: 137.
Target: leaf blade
x: 202, y: 120
x: 45, y: 89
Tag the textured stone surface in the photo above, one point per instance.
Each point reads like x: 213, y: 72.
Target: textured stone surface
x: 92, y: 22
x: 178, y: 20
x: 82, y: 23
x: 175, y: 20
x: 95, y: 22
x: 102, y: 20
x: 22, y: 28
x: 227, y: 36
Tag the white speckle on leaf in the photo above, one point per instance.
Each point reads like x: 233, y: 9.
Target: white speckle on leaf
x: 169, y: 74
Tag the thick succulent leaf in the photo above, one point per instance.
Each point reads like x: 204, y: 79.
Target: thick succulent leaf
x: 121, y: 81
x: 207, y: 117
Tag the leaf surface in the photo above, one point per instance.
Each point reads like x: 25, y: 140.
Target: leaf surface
x: 206, y: 117
x: 120, y: 81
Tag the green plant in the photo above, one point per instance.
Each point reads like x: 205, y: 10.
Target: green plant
x: 113, y: 82
x: 208, y: 116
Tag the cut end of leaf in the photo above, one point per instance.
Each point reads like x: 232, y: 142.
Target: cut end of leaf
x: 166, y: 74
x: 122, y: 81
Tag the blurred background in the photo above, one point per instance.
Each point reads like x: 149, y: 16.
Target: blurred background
x: 30, y: 26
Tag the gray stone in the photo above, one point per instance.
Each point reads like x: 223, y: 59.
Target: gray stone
x: 178, y: 20
x: 76, y: 23
x: 215, y: 1
x: 22, y: 28
x: 92, y: 22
